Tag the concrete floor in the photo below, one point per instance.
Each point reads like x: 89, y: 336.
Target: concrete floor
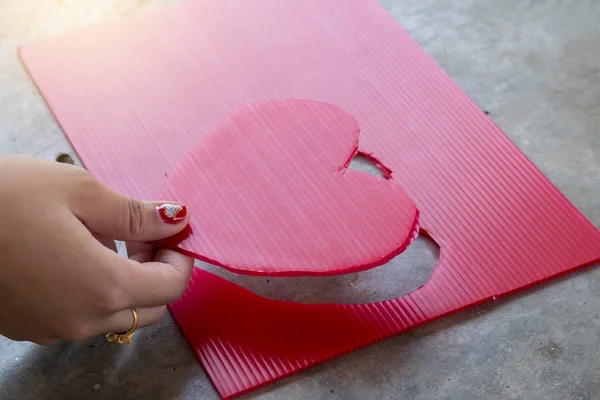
x: 535, y: 66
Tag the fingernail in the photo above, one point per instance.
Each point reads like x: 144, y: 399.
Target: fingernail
x: 172, y: 213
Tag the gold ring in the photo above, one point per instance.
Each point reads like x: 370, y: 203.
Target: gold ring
x: 124, y: 337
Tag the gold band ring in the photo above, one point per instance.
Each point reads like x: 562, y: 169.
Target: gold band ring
x: 124, y: 337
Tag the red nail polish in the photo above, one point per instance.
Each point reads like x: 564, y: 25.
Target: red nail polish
x: 172, y: 213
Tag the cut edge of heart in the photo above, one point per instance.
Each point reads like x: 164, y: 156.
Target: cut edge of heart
x: 412, y: 236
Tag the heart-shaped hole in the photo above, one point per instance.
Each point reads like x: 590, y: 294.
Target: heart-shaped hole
x: 399, y: 277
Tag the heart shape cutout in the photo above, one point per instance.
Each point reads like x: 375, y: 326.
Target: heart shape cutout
x: 270, y: 193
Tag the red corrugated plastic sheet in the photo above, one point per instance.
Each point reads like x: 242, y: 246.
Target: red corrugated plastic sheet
x: 135, y: 96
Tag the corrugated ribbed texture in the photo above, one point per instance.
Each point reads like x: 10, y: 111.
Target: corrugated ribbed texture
x: 282, y: 200
x: 134, y: 97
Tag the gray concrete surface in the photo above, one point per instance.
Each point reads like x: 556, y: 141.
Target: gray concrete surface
x: 535, y: 66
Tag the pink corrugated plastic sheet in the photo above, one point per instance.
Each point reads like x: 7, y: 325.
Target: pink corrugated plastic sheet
x: 257, y: 212
x: 135, y: 96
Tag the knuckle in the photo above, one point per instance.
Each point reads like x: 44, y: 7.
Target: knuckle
x: 135, y: 216
x: 85, y: 180
x: 110, y: 297
x: 86, y: 186
x: 113, y: 300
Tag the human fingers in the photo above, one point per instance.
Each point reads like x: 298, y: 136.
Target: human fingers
x: 148, y: 284
x: 160, y: 283
x: 113, y: 215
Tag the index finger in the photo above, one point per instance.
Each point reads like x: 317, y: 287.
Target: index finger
x: 159, y: 282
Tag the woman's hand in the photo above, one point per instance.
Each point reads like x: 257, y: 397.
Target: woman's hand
x: 57, y: 278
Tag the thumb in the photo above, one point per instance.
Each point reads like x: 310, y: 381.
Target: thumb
x: 108, y: 213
